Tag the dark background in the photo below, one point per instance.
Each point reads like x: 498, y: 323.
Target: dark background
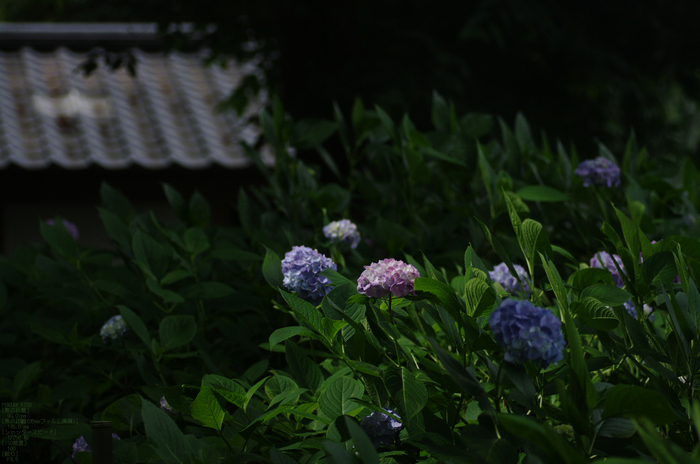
x: 580, y: 70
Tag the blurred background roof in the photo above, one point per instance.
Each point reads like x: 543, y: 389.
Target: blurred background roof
x: 53, y: 112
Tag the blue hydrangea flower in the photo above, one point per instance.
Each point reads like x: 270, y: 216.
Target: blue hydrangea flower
x: 114, y: 328
x: 381, y: 428
x: 302, y: 273
x: 528, y: 333
x: 604, y: 260
x: 388, y: 276
x: 81, y: 445
x: 342, y: 231
x: 600, y: 171
x: 502, y: 275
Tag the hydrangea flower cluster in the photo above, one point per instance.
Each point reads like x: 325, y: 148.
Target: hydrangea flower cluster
x: 114, y: 328
x: 387, y: 277
x: 72, y: 228
x: 302, y: 273
x: 528, y: 333
x: 604, y: 260
x: 600, y: 171
x: 502, y: 275
x: 381, y: 428
x: 81, y: 445
x: 342, y: 231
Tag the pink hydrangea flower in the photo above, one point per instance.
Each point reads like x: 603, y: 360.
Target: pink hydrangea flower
x: 387, y: 277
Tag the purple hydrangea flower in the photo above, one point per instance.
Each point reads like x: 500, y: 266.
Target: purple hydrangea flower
x: 502, y: 275
x: 114, y: 328
x: 381, y: 428
x: 528, y: 333
x: 81, y: 445
x: 600, y: 171
x: 389, y: 276
x: 72, y: 228
x: 604, y: 260
x: 302, y: 273
x: 342, y: 231
x: 165, y: 406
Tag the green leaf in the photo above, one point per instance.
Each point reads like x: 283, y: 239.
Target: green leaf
x: 433, y: 153
x: 272, y: 269
x: 115, y: 202
x: 336, y: 400
x: 116, y: 228
x: 171, y: 445
x: 175, y: 276
x: 196, y: 241
x: 200, y: 212
x: 541, y: 193
x: 136, y: 324
x: 480, y: 297
x: 58, y: 238
x: 363, y: 444
x: 440, y: 114
x: 177, y: 203
x: 279, y: 384
x: 408, y: 392
x: 634, y: 401
x: 543, y: 435
x: 464, y: 377
x: 588, y: 277
x: 609, y: 295
x: 442, y: 294
x: 176, y: 331
x: 303, y: 310
x: 285, y: 333
x: 556, y: 282
x: 594, y: 314
x: 208, y: 290
x: 24, y: 378
x: 660, y: 268
x: 310, y: 133
x: 306, y: 372
x: 207, y: 410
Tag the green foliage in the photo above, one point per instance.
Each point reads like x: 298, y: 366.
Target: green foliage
x: 255, y: 373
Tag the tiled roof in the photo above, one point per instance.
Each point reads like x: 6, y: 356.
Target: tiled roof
x: 50, y: 113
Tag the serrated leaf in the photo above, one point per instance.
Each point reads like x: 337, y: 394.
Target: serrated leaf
x: 176, y: 331
x: 136, y: 324
x: 594, y: 314
x: 207, y: 410
x: 609, y: 295
x: 285, y: 333
x: 306, y: 372
x: 336, y: 400
x: 171, y: 445
x: 480, y: 297
x: 634, y: 401
x: 303, y: 310
x: 410, y: 394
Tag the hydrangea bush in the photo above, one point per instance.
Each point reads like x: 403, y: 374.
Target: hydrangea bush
x: 259, y: 371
